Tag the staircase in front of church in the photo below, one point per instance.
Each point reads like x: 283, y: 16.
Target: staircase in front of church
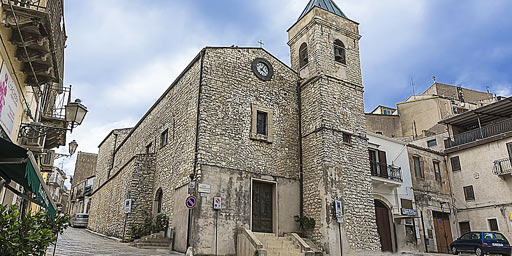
x: 279, y: 246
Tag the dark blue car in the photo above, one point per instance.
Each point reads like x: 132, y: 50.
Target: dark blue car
x: 481, y: 243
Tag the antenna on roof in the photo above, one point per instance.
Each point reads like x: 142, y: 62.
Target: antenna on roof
x: 413, y: 92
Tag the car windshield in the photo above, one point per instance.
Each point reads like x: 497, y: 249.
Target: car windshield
x: 82, y: 216
x: 491, y: 236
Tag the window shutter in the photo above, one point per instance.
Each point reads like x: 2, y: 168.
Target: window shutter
x: 383, y: 164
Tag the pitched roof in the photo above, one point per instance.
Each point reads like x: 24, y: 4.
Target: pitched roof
x: 327, y: 5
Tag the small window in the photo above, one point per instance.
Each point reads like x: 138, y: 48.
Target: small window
x: 417, y: 166
x: 339, y: 52
x: 437, y: 171
x: 346, y: 138
x: 380, y: 133
x: 464, y: 227
x: 164, y: 137
x: 455, y: 163
x: 406, y: 203
x: 261, y: 126
x: 303, y: 55
x: 149, y: 148
x: 431, y: 143
x: 469, y: 193
x: 493, y: 224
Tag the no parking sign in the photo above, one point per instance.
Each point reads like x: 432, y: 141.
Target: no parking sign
x: 190, y: 202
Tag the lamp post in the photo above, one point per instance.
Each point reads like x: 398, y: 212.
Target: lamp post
x: 71, y: 149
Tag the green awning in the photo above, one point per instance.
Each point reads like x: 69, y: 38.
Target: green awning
x: 18, y: 164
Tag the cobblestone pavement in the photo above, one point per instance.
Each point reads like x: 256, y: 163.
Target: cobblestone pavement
x: 80, y: 242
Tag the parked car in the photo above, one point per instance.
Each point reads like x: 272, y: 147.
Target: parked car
x: 481, y: 243
x: 80, y: 220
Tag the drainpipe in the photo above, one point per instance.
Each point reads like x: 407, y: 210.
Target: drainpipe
x: 423, y: 226
x: 301, y: 170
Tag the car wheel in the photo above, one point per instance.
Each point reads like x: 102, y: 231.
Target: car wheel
x: 478, y: 251
x: 454, y: 251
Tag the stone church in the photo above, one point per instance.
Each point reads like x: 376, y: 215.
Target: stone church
x: 271, y: 141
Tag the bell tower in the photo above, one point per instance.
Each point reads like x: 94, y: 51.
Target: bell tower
x: 324, y: 47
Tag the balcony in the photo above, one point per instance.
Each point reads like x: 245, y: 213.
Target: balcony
x: 487, y: 131
x: 38, y: 31
x: 88, y: 190
x: 502, y: 167
x: 384, y: 174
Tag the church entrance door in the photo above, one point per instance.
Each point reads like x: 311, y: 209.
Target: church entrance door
x: 262, y: 202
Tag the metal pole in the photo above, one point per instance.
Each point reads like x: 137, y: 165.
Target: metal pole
x: 424, y: 234
x: 124, y: 225
x: 216, y: 242
x: 341, y: 241
x: 55, y: 245
x: 188, y: 227
x: 480, y: 126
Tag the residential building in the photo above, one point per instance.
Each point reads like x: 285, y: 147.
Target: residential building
x: 395, y: 207
x: 32, y: 98
x: 57, y: 188
x: 432, y: 193
x: 271, y: 141
x: 82, y: 182
x: 479, y: 153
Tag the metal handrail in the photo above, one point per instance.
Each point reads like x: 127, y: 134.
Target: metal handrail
x: 386, y: 171
x: 477, y: 134
x: 502, y: 167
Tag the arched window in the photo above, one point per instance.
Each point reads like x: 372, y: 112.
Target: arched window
x: 158, y: 200
x: 303, y: 55
x: 339, y: 52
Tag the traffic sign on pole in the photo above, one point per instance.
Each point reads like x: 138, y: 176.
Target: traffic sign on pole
x: 190, y: 202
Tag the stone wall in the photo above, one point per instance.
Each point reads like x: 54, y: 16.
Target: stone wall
x: 134, y: 181
x: 105, y: 153
x: 84, y: 167
x: 388, y: 125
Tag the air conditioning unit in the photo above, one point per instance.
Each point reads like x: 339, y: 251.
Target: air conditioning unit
x: 48, y: 158
x: 33, y: 139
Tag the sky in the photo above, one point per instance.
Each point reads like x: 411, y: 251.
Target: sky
x: 121, y: 55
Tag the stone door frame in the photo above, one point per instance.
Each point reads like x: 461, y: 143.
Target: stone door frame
x: 275, y: 212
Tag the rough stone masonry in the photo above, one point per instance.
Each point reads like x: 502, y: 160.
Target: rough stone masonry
x: 272, y: 141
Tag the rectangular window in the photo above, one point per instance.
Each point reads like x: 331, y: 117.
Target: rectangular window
x: 455, y: 163
x: 346, y: 137
x: 164, y: 137
x: 261, y: 126
x: 373, y: 162
x: 464, y: 227
x: 431, y: 143
x: 417, y: 166
x: 406, y: 203
x: 437, y: 171
x: 493, y: 224
x: 469, y: 193
x: 149, y: 148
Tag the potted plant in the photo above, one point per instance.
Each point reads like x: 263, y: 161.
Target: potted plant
x: 306, y: 224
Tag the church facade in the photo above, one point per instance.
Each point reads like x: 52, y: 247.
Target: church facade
x: 271, y: 141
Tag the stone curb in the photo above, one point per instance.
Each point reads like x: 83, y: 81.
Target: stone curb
x: 105, y: 236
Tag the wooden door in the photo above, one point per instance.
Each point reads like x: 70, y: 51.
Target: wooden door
x: 383, y: 226
x: 443, y: 232
x: 262, y: 203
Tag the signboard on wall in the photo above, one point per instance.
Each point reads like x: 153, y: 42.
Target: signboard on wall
x: 9, y: 101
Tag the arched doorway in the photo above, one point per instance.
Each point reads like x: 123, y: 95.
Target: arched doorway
x: 157, y: 205
x: 383, y: 226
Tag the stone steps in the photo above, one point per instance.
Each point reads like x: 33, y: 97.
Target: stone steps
x: 153, y: 241
x: 279, y: 246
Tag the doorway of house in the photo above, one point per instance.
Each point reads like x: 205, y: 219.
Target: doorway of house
x: 443, y: 231
x: 262, y: 207
x: 383, y: 226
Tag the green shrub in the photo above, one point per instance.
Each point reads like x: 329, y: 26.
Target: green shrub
x: 161, y: 222
x: 305, y: 223
x: 30, y: 235
x: 149, y: 226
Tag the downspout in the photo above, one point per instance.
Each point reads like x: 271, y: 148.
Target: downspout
x: 196, y: 149
x: 301, y: 170
x: 453, y: 207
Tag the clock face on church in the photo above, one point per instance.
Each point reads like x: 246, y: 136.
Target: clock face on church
x: 262, y: 69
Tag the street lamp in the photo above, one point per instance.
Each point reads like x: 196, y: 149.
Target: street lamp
x: 71, y: 148
x: 75, y: 113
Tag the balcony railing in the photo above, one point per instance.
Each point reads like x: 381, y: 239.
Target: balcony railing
x: 383, y: 170
x: 502, y: 167
x: 88, y: 190
x: 477, y: 134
